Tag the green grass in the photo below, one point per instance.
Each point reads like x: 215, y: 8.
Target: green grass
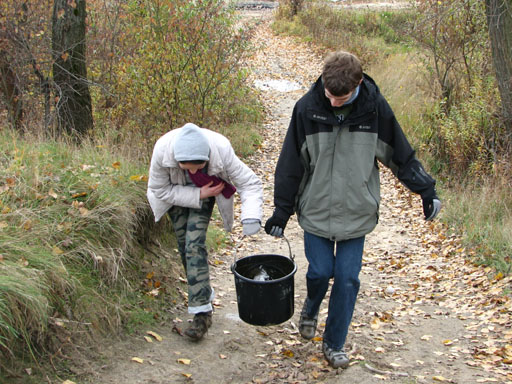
x: 483, y: 215
x: 74, y: 232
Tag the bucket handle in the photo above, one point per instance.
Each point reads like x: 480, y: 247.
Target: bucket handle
x: 292, y: 257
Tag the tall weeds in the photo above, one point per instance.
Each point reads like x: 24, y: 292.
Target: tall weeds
x: 71, y: 225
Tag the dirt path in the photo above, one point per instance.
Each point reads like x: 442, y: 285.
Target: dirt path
x: 423, y: 315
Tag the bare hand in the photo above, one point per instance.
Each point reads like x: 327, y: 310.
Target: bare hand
x: 208, y: 190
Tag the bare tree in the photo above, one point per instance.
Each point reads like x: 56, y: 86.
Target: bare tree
x: 74, y: 109
x: 10, y: 89
x: 499, y: 20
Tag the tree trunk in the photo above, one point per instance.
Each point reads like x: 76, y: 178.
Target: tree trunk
x: 11, y: 92
x: 499, y: 20
x: 73, y: 100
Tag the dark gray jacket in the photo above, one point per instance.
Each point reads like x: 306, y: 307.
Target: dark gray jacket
x: 328, y: 172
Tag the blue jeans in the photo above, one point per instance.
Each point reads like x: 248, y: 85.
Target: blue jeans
x: 344, y: 266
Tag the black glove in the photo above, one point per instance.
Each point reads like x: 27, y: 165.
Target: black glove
x: 431, y: 206
x: 275, y: 226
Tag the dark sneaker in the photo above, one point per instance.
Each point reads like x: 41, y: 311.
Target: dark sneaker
x: 307, y: 325
x: 202, y: 321
x: 337, y: 359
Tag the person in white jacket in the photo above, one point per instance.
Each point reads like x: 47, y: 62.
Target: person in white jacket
x: 191, y: 169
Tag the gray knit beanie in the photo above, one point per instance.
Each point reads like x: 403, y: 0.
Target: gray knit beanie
x: 191, y: 144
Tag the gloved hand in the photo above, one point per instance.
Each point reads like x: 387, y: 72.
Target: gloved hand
x: 275, y: 226
x: 251, y: 226
x: 431, y: 206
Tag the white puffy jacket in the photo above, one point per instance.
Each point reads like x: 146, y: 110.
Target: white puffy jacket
x: 167, y: 182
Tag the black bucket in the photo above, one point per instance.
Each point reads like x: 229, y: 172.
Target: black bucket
x: 267, y: 302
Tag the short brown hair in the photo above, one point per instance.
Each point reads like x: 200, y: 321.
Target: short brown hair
x: 342, y: 73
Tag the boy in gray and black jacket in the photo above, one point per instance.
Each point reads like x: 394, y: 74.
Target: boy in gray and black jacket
x: 328, y: 174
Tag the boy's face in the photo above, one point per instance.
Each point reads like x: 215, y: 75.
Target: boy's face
x: 193, y: 168
x: 337, y: 101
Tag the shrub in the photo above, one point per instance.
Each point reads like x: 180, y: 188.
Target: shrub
x: 468, y: 138
x: 454, y: 36
x: 178, y: 61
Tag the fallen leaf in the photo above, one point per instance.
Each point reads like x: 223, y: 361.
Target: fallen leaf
x: 79, y: 194
x: 178, y: 330
x: 57, y: 251
x: 187, y: 375
x: 83, y: 211
x: 148, y: 339
x: 139, y: 178
x: 375, y: 324
x: 155, y: 335
x: 184, y: 361
x: 51, y: 193
x: 137, y: 360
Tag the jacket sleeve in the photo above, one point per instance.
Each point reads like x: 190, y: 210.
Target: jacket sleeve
x: 249, y: 186
x: 395, y: 152
x: 290, y: 169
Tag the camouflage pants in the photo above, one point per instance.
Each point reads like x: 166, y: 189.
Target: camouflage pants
x: 190, y: 226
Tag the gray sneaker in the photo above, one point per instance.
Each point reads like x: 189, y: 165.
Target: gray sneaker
x: 337, y: 359
x: 307, y: 325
